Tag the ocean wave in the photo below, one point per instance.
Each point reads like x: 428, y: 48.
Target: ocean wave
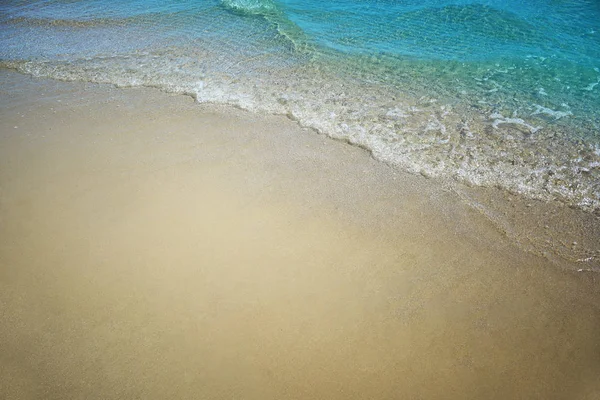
x: 273, y: 13
x: 251, y: 7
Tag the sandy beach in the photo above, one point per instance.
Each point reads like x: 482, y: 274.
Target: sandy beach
x: 156, y: 248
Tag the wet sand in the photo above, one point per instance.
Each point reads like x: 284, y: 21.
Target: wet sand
x: 154, y: 248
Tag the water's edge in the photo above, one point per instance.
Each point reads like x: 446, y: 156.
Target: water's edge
x: 566, y: 236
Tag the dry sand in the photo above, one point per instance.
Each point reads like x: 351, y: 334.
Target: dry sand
x: 153, y: 248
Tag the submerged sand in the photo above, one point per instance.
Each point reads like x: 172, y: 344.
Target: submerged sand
x: 155, y: 248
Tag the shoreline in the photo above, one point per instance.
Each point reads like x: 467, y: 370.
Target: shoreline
x: 157, y: 247
x: 566, y: 236
x: 530, y: 148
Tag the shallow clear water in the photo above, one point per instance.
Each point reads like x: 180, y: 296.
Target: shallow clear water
x: 502, y: 93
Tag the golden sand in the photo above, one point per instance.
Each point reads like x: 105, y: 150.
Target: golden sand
x: 153, y: 248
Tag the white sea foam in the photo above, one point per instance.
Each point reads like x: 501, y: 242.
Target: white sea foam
x: 250, y: 6
x: 591, y: 86
x: 396, y: 113
x: 553, y: 113
x: 500, y: 119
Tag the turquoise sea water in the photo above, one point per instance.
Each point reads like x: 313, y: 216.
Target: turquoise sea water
x: 495, y: 93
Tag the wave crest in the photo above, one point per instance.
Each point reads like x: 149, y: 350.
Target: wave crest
x: 251, y: 7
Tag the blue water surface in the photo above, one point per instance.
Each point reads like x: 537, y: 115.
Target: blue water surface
x: 492, y: 92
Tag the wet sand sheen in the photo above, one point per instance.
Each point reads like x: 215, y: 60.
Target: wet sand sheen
x: 153, y: 248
